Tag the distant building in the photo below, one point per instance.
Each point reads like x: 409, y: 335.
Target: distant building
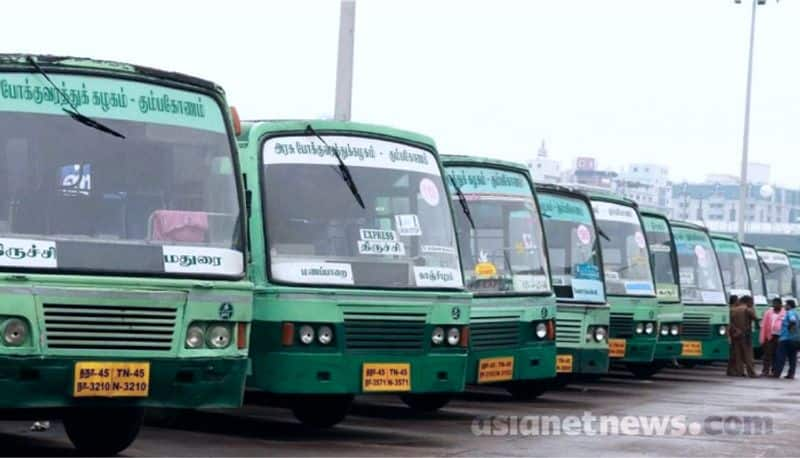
x: 544, y: 169
x: 586, y: 172
x: 647, y: 184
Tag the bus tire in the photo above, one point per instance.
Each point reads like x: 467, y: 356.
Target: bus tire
x: 644, y: 371
x: 322, y: 411
x: 687, y: 363
x: 103, y: 431
x: 425, y: 402
x: 526, y: 391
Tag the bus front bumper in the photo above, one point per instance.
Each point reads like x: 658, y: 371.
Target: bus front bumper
x: 534, y: 361
x: 48, y: 382
x: 585, y: 360
x: 637, y: 350
x: 714, y: 349
x: 668, y: 349
x: 290, y: 373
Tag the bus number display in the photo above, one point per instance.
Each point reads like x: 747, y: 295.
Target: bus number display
x: 111, y: 379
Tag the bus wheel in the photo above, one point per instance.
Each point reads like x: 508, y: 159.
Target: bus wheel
x: 644, y: 371
x: 689, y: 364
x: 103, y: 431
x: 426, y: 402
x: 322, y: 411
x: 526, y: 391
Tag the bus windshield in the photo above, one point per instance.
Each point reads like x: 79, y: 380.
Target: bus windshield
x: 504, y: 252
x: 163, y: 199
x: 698, y: 270
x: 777, y: 273
x: 754, y: 268
x: 734, y: 268
x: 660, y: 240
x: 626, y: 259
x: 573, y: 248
x: 318, y: 232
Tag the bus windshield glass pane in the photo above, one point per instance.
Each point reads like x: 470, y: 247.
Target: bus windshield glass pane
x: 660, y: 240
x: 626, y: 259
x: 698, y: 271
x: 573, y: 248
x: 754, y: 268
x: 777, y: 272
x: 734, y: 268
x: 504, y: 252
x: 163, y: 199
x: 319, y: 234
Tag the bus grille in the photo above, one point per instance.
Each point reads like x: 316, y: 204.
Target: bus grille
x: 107, y: 327
x: 568, y: 331
x: 696, y: 326
x: 621, y: 324
x: 375, y: 330
x: 494, y: 332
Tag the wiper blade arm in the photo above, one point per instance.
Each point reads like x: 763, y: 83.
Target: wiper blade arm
x: 603, y: 234
x: 344, y: 171
x: 72, y: 111
x: 463, y: 201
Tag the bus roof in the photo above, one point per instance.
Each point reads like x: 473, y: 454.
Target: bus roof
x: 688, y: 225
x: 773, y: 249
x: 59, y: 64
x: 653, y: 214
x: 597, y: 193
x: 450, y: 159
x: 720, y: 236
x: 253, y: 129
x: 554, y: 188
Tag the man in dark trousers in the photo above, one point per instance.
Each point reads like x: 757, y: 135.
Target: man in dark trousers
x: 733, y: 301
x: 741, y: 333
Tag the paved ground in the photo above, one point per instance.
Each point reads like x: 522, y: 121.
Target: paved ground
x: 383, y: 426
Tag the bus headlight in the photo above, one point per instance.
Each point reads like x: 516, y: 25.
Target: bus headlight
x: 723, y: 330
x: 664, y: 329
x: 195, y: 336
x: 15, y: 333
x: 437, y: 337
x: 453, y: 336
x: 649, y: 328
x: 600, y: 334
x: 675, y: 329
x: 306, y: 334
x: 541, y: 330
x: 639, y: 328
x: 218, y: 336
x: 325, y: 335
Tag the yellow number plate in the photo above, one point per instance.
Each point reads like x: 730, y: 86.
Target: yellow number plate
x: 495, y: 369
x: 386, y: 377
x: 616, y: 348
x: 564, y: 364
x: 692, y: 348
x: 111, y: 379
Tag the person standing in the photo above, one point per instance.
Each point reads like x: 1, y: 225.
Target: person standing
x: 770, y: 334
x: 741, y: 334
x: 787, y: 345
x: 733, y: 300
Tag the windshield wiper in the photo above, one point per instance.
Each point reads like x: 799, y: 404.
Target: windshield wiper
x: 72, y: 111
x: 463, y: 201
x: 765, y: 265
x: 344, y: 171
x: 603, y: 234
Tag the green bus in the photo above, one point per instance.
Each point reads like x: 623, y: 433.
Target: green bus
x: 758, y: 287
x: 733, y: 264
x: 503, y: 255
x: 778, y: 273
x: 664, y: 258
x: 706, y: 314
x: 582, y: 315
x: 628, y: 277
x: 794, y: 261
x: 358, y: 284
x: 122, y: 247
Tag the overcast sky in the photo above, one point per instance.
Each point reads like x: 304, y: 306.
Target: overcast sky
x: 620, y: 80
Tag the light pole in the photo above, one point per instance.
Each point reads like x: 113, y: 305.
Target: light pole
x: 746, y: 135
x: 344, y: 65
